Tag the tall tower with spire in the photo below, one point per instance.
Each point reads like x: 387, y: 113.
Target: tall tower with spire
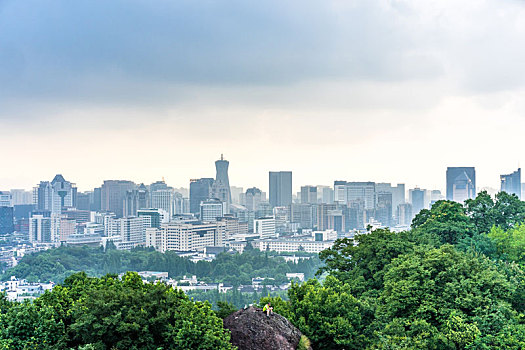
x: 221, y: 187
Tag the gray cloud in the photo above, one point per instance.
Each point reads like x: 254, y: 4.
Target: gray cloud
x: 133, y: 50
x: 138, y: 52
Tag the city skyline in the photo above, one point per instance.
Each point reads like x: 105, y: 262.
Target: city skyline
x: 296, y: 186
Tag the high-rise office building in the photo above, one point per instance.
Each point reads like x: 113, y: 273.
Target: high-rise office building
x: 163, y: 199
x: 340, y: 192
x: 404, y: 214
x: 417, y: 199
x: 200, y: 190
x: 55, y: 195
x: 265, y: 227
x: 308, y: 194
x: 5, y: 199
x: 511, y: 183
x: 221, y: 187
x: 211, y: 209
x: 21, y: 197
x: 384, y: 208
x: 304, y: 214
x: 461, y: 183
x: 84, y: 200
x: 325, y: 194
x: 6, y: 220
x: 113, y: 194
x: 186, y: 236
x: 40, y: 229
x: 280, y: 188
x: 253, y: 198
x: 151, y: 217
x: 362, y: 191
x: 96, y: 204
x: 236, y: 192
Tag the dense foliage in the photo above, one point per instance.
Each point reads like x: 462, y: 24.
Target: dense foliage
x: 454, y: 281
x: 111, y: 313
x: 57, y: 264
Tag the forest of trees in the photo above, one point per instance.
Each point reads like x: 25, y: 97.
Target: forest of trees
x: 56, y: 264
x: 454, y: 281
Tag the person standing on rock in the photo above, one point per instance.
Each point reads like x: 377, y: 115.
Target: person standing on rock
x: 268, y: 308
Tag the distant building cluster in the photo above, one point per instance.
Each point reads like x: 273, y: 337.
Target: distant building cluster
x: 211, y: 213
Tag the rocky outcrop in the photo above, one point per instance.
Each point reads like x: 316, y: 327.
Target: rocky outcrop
x: 252, y: 329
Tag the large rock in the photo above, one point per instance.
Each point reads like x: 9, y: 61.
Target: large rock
x: 252, y: 329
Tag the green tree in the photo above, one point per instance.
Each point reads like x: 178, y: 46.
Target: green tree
x: 447, y: 220
x: 329, y: 315
x: 456, y: 296
x: 361, y: 262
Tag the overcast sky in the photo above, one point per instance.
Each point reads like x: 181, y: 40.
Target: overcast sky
x: 386, y: 91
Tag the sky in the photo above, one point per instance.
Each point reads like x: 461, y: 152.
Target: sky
x: 371, y: 90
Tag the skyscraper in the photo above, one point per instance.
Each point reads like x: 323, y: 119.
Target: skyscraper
x: 461, y: 183
x: 6, y: 220
x: 362, y: 191
x: 221, y: 187
x: 55, y: 195
x: 308, y: 194
x: 113, y: 194
x: 253, y: 198
x: 417, y: 199
x: 384, y: 208
x: 511, y: 183
x: 200, y: 190
x: 211, y: 209
x: 280, y: 188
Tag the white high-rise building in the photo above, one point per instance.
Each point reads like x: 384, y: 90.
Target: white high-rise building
x: 211, y: 209
x: 163, y: 199
x: 126, y: 233
x: 40, y: 229
x: 265, y: 227
x: 186, y: 236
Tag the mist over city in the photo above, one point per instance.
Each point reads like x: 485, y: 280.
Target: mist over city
x: 331, y: 174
